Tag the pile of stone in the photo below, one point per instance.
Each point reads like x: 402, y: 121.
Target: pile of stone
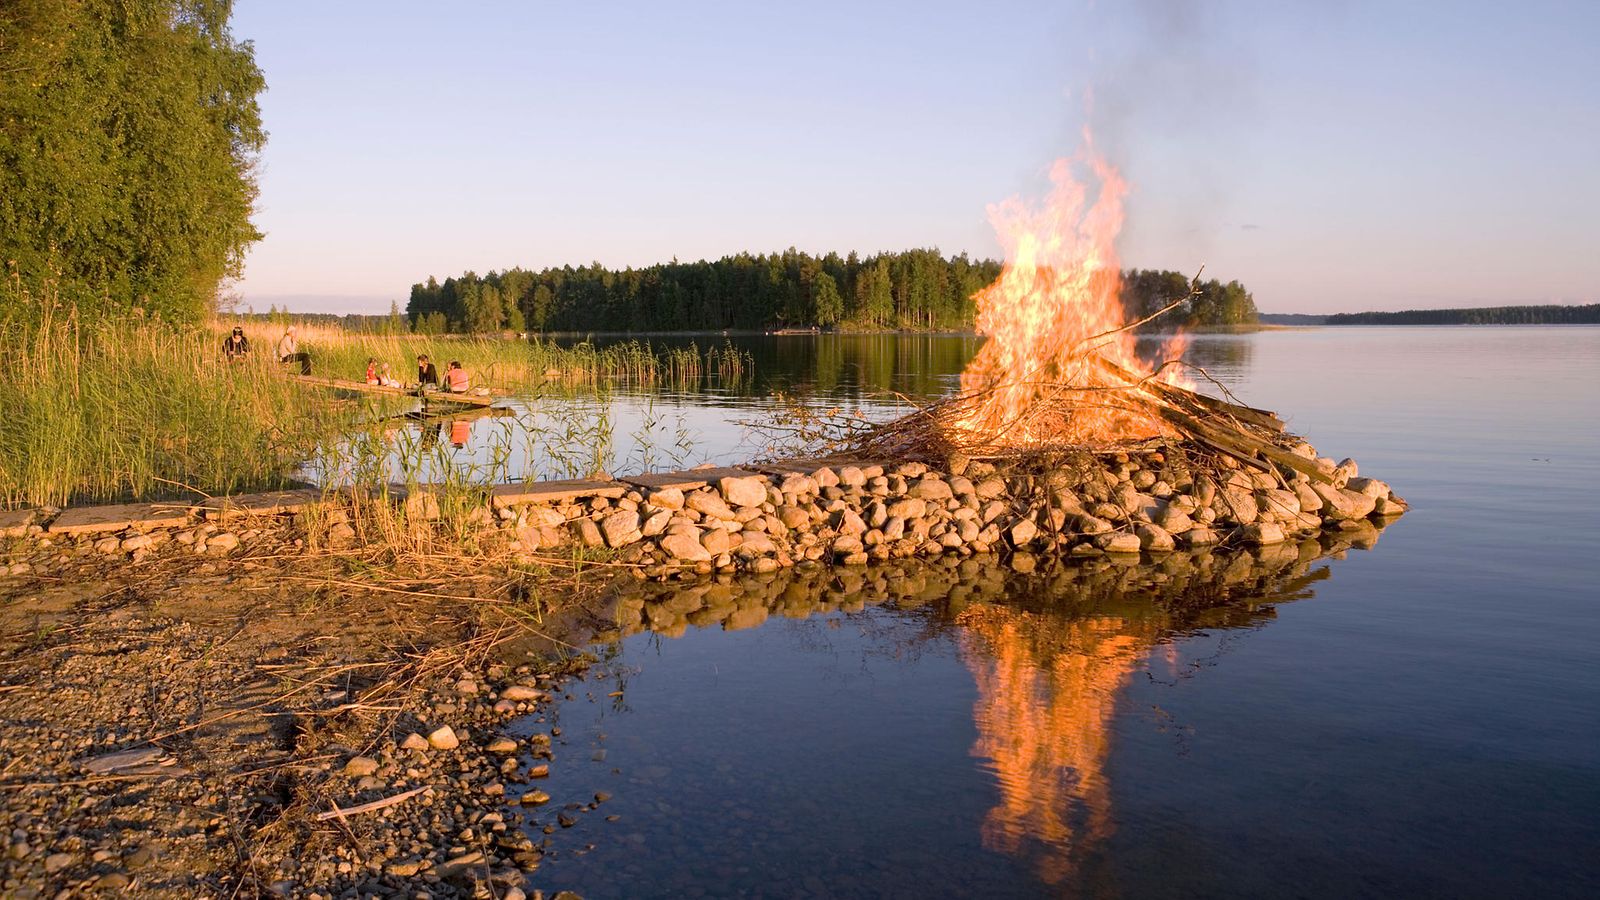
x: 762, y: 519
x: 1117, y: 503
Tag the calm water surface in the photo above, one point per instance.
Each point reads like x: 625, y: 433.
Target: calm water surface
x: 1422, y: 719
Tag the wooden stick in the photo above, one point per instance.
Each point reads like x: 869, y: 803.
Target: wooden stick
x: 385, y: 803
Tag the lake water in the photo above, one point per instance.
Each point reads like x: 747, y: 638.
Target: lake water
x: 1422, y: 719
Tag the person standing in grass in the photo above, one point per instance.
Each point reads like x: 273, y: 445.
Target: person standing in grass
x: 236, y: 345
x: 427, y: 375
x: 456, y: 380
x: 289, y: 351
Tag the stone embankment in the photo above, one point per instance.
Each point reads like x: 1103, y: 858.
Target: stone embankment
x: 763, y: 518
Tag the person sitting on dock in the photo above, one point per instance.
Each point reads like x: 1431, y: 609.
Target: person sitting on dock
x: 386, y: 378
x: 289, y: 351
x: 372, y: 371
x: 427, y: 375
x: 236, y: 345
x: 456, y: 380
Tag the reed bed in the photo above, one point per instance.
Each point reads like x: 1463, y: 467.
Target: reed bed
x: 135, y: 409
x: 139, y: 409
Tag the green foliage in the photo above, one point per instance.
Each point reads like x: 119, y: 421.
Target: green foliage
x: 825, y: 299
x: 1146, y: 292
x: 128, y: 134
x: 913, y: 289
x: 1489, y: 315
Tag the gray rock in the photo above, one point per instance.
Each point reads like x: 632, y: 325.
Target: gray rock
x: 620, y: 528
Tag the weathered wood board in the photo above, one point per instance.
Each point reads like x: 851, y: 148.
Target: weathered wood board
x: 267, y: 504
x: 97, y: 519
x: 687, y: 480
x: 503, y: 495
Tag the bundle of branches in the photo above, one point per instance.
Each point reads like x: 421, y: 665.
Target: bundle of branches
x: 1159, y: 414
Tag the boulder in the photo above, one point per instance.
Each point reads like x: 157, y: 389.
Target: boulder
x: 1240, y: 504
x: 852, y: 476
x: 1091, y: 525
x: 716, y: 541
x: 443, y: 738
x: 667, y: 498
x: 620, y: 528
x: 750, y: 491
x: 991, y: 487
x: 798, y: 485
x: 1154, y: 538
x: 1372, y: 487
x: 709, y: 504
x: 685, y: 547
x: 909, y: 508
x: 793, y: 517
x: 1339, y: 504
x: 1022, y: 532
x: 656, y: 523
x: 1118, y: 542
x: 1262, y: 533
x: 931, y: 487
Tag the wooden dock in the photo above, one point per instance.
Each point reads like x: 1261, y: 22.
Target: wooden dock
x: 427, y: 397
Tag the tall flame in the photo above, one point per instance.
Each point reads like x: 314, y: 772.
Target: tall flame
x: 1047, y: 694
x: 1053, y: 315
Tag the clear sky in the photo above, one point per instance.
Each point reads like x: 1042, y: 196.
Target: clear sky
x: 1334, y: 156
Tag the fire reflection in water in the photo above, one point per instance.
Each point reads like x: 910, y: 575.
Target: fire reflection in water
x: 1047, y: 689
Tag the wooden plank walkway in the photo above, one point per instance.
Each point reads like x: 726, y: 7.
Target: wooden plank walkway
x: 503, y: 495
x: 687, y: 480
x: 427, y: 397
x: 96, y: 519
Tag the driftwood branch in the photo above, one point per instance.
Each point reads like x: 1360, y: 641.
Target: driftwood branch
x: 385, y: 803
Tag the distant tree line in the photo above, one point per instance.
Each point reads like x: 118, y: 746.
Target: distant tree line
x: 129, y: 131
x: 913, y: 289
x: 1489, y: 315
x: 391, y: 323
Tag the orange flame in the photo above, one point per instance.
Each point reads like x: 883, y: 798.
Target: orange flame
x: 1054, y: 309
x: 1047, y: 694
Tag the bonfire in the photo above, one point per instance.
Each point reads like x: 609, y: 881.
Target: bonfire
x: 1059, y: 374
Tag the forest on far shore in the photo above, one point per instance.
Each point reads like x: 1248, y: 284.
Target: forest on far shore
x: 912, y: 289
x: 1488, y: 315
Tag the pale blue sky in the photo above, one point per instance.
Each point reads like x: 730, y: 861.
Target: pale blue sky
x: 1333, y: 156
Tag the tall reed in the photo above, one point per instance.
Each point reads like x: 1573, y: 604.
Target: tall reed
x: 137, y: 409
